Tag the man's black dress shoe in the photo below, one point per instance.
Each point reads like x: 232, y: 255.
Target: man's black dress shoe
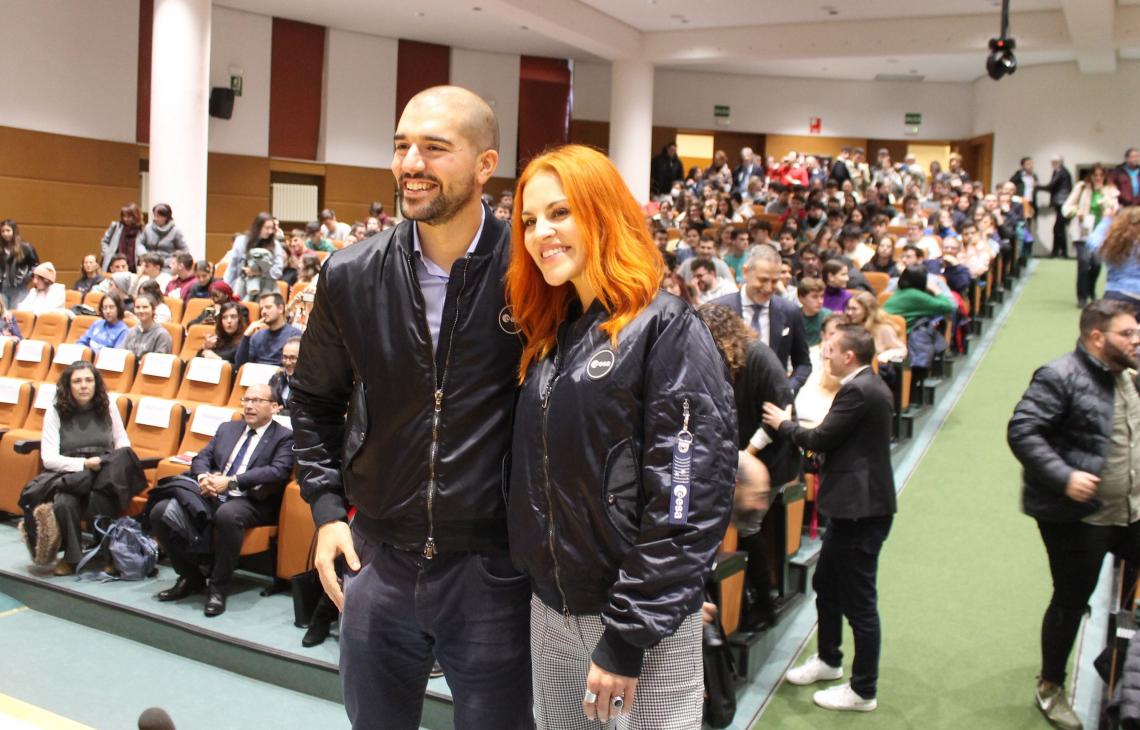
x: 182, y: 588
x: 216, y: 603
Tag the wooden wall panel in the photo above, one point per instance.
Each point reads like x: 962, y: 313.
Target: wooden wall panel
x: 593, y: 134
x: 47, y: 202
x: 351, y: 190
x: 43, y: 156
x: 296, y: 84
x: 237, y: 189
x: 544, y: 106
x: 778, y: 145
x: 897, y: 148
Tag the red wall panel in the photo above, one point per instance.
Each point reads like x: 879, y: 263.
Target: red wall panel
x: 295, y: 87
x: 419, y: 66
x: 142, y: 106
x: 544, y: 106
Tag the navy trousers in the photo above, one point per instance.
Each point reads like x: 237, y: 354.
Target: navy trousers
x: 845, y: 586
x: 471, y: 611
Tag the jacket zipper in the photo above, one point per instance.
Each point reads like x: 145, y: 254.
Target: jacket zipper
x: 440, y: 380
x: 546, y: 474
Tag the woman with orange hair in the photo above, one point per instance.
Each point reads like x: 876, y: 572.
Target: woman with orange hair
x: 623, y: 458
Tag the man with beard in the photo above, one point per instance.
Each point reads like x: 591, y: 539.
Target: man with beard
x: 410, y: 335
x: 1076, y: 432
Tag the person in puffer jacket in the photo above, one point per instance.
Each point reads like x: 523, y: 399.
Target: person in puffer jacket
x: 624, y: 454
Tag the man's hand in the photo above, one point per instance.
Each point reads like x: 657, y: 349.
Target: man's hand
x: 1081, y: 486
x: 334, y: 539
x: 94, y: 463
x: 254, y: 327
x: 606, y: 686
x: 775, y: 415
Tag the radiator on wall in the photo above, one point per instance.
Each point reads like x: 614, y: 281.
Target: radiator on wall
x: 292, y: 202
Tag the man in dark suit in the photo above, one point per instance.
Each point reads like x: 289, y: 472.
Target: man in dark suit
x: 241, y: 475
x: 857, y: 494
x: 281, y: 384
x: 1059, y: 187
x: 748, y: 168
x: 776, y: 320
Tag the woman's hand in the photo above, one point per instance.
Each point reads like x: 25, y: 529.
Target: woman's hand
x: 607, y: 686
x: 210, y: 342
x: 93, y: 463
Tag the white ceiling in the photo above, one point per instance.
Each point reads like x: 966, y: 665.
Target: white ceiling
x: 656, y: 15
x: 942, y: 40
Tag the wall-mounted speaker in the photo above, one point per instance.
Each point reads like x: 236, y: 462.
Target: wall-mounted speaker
x: 221, y: 102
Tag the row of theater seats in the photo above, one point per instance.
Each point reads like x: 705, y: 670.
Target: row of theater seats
x: 169, y: 408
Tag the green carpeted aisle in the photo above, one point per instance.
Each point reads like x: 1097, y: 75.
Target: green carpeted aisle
x: 963, y: 579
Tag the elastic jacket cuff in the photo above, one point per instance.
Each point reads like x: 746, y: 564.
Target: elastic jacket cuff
x: 614, y: 654
x: 329, y: 507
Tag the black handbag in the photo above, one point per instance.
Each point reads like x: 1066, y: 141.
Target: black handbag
x: 307, y: 591
x: 720, y: 677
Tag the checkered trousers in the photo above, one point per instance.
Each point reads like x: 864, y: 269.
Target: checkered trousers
x: 670, y: 691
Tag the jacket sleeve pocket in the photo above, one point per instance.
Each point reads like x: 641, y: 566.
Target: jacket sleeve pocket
x: 622, y: 491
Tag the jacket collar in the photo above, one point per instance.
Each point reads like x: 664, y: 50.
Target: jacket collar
x: 493, y: 231
x: 1095, y: 367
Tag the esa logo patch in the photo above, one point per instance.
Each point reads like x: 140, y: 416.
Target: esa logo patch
x: 507, y: 322
x: 600, y: 365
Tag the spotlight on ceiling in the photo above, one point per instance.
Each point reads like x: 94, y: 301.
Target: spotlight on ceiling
x: 1001, y: 61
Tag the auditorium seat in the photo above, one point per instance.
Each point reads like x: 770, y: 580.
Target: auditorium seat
x: 72, y: 298
x: 194, y: 307
x: 16, y: 470
x: 26, y: 321
x: 250, y: 374
x: 295, y: 531
x: 884, y: 296
x: 283, y: 288
x: 65, y: 354
x: 207, y: 380
x: 878, y: 281
x: 155, y: 430
x: 202, y: 425
x: 196, y: 335
x: 177, y: 335
x: 92, y: 299
x: 176, y: 306
x: 117, y: 367
x: 32, y: 360
x: 15, y: 400
x: 220, y: 270
x: 297, y: 289
x: 7, y: 353
x: 79, y: 326
x: 158, y: 376
x: 51, y: 327
x: 254, y: 310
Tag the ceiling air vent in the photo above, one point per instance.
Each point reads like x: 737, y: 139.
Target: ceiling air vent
x: 900, y: 77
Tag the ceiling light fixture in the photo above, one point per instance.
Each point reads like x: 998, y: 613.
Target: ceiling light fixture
x: 1001, y: 61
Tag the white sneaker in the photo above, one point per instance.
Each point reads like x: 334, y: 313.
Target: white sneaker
x: 842, y: 697
x: 812, y: 671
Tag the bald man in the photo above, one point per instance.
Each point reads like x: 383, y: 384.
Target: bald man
x: 411, y: 336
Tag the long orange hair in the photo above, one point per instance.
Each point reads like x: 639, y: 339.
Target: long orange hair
x: 623, y: 265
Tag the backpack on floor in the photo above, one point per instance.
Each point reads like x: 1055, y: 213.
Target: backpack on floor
x: 133, y: 553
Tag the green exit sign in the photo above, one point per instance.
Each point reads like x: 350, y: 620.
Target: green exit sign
x: 720, y: 110
x: 913, y: 118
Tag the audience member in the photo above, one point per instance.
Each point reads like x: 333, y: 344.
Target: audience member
x: 162, y: 311
x: 122, y: 236
x: 203, y: 278
x: 1059, y: 186
x: 814, y: 399
x: 706, y: 285
x: 1117, y: 241
x: 45, y: 295
x: 864, y: 310
x: 1084, y: 209
x: 150, y: 269
x: 185, y: 277
x: 265, y: 339
x: 883, y: 261
x: 1126, y: 178
x: 148, y: 335
x: 125, y: 286
x: 235, y: 483
x: 315, y: 239
x: 950, y: 268
x: 859, y: 502
x: 161, y: 236
x: 918, y: 297
x: 333, y: 229
x: 108, y: 331
x: 282, y: 381
x: 88, y: 470
x: 835, y: 279
x: 810, y: 294
x: 262, y: 234
x: 1073, y: 432
x: 777, y: 321
x: 229, y: 323
x: 17, y: 260
x: 89, y: 274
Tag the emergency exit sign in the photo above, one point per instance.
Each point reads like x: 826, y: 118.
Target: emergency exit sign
x: 913, y: 118
x: 720, y: 110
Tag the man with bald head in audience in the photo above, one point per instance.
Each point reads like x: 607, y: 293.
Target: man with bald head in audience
x: 411, y: 336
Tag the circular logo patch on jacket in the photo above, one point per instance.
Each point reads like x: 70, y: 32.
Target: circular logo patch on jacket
x: 507, y: 321
x: 600, y: 364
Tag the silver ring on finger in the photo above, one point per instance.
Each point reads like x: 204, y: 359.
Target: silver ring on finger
x: 617, y: 702
x: 590, y: 697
